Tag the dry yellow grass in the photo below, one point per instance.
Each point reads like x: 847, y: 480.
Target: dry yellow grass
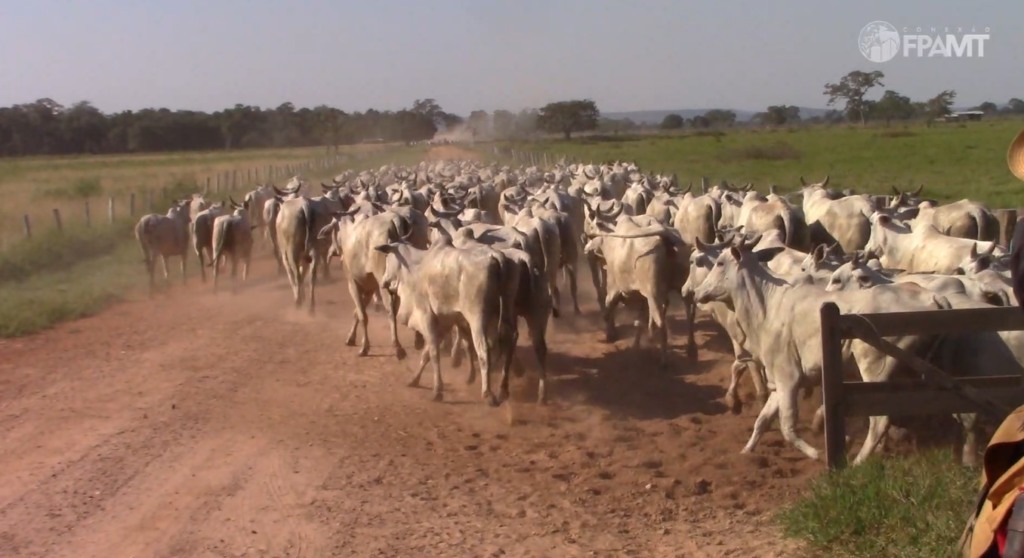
x: 35, y: 186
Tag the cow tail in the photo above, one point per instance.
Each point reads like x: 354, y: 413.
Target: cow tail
x: 141, y: 233
x: 787, y: 223
x: 218, y: 241
x: 707, y: 226
x: 496, y: 291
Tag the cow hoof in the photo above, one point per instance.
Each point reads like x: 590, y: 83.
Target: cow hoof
x: 351, y: 342
x: 492, y: 400
x: 438, y: 396
x: 413, y: 383
x: 503, y: 395
x: 400, y: 353
x: 733, y: 403
x: 364, y: 351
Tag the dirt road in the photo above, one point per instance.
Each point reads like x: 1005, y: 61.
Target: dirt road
x: 234, y: 425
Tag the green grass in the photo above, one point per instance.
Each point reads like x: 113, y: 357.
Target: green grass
x: 54, y: 250
x: 73, y: 292
x: 953, y: 161
x: 907, y: 507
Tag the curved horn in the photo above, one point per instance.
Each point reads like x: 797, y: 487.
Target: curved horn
x: 896, y: 191
x: 802, y: 181
x: 825, y: 182
x: 614, y: 214
x: 918, y: 191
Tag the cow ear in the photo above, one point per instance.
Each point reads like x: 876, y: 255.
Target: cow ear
x: 384, y: 248
x: 884, y: 219
x: 974, y: 250
x: 736, y: 254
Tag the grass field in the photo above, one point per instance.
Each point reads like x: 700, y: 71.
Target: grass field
x: 34, y: 186
x: 57, y: 277
x: 953, y: 161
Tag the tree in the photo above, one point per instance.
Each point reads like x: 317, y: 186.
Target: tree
x: 568, y: 117
x: 777, y: 115
x: 988, y: 107
x: 852, y: 88
x: 503, y: 122
x: 892, y: 106
x: 478, y: 121
x: 1015, y: 106
x: 672, y: 122
x: 700, y: 121
x: 719, y: 117
x: 941, y: 104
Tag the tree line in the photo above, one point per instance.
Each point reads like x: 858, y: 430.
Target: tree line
x: 45, y: 127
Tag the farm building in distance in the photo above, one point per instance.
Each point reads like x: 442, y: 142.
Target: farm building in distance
x: 962, y: 116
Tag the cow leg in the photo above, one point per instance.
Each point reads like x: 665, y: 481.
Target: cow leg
x: 877, y: 428
x: 969, y: 422
x: 642, y: 321
x: 763, y: 421
x: 787, y: 421
x: 570, y: 277
x: 431, y: 338
x: 732, y: 399
x: 312, y: 286
x: 473, y: 359
x: 458, y: 350
x: 691, y: 318
x: 234, y: 274
x: 202, y: 270
x: 357, y: 317
x: 167, y: 274
x: 540, y: 348
x: 478, y: 337
x: 508, y: 351
x: 424, y: 359
x: 611, y: 302
x: 392, y: 308
x: 216, y: 273
x: 818, y: 422
x: 184, y: 265
x: 658, y: 312
x: 596, y: 276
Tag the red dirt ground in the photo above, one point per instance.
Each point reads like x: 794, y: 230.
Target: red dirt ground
x: 234, y: 425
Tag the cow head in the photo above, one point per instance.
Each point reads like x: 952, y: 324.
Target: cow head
x: 976, y: 261
x: 855, y: 274
x: 729, y: 273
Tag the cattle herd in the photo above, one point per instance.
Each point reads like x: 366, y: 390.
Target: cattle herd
x: 458, y: 251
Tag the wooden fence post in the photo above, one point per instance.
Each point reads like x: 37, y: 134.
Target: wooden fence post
x: 110, y: 210
x: 149, y: 200
x: 57, y: 220
x: 28, y: 226
x: 832, y: 387
x: 207, y: 189
x: 131, y: 204
x: 218, y: 183
x: 88, y: 216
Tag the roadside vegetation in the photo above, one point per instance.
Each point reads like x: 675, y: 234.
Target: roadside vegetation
x: 891, y: 506
x: 64, y: 275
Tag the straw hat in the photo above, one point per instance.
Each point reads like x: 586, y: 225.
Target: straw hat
x: 1015, y: 156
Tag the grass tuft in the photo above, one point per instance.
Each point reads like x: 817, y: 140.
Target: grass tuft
x: 52, y: 250
x: 777, y: 151
x: 914, y: 506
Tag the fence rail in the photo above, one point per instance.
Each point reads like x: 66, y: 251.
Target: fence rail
x: 135, y: 203
x: 938, y: 392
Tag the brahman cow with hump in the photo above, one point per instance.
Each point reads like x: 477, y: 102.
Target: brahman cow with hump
x: 202, y: 234
x: 922, y: 248
x: 232, y: 237
x: 296, y: 236
x: 433, y: 290
x: 642, y: 260
x: 354, y: 238
x: 846, y: 220
x: 164, y: 236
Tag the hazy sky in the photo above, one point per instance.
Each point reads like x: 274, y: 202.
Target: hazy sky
x: 469, y: 54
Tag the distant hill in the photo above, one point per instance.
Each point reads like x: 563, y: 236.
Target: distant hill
x: 656, y: 116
